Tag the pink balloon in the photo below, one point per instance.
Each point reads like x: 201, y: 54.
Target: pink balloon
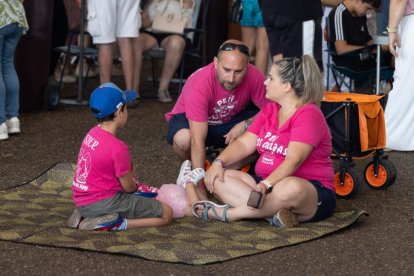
x: 176, y: 197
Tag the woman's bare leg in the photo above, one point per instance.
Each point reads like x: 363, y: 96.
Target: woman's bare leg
x: 174, y: 46
x: 142, y: 43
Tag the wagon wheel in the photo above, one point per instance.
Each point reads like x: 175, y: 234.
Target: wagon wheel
x: 350, y: 185
x: 207, y: 164
x: 246, y: 168
x: 387, y: 173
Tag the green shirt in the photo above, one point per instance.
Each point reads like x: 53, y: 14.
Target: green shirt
x: 12, y: 11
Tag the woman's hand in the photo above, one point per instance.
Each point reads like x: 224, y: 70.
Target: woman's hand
x: 215, y: 172
x: 394, y: 42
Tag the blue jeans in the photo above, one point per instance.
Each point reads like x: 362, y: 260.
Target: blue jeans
x: 382, y: 17
x: 9, y: 82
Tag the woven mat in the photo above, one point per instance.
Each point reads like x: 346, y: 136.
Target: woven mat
x: 36, y: 213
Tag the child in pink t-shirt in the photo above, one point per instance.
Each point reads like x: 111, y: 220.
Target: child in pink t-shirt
x: 104, y: 185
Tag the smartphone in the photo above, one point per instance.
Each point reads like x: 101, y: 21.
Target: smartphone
x: 254, y: 199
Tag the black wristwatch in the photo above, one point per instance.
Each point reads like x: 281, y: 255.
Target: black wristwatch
x: 267, y: 185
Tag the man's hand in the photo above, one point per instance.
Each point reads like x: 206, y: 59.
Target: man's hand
x: 235, y: 132
x: 394, y: 42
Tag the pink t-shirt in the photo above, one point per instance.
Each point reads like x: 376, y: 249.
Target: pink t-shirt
x: 102, y: 159
x: 204, y: 100
x: 307, y: 125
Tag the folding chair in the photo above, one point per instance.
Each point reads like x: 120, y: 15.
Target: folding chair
x: 345, y: 76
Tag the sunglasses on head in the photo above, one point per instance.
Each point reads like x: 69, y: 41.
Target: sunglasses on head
x: 231, y: 46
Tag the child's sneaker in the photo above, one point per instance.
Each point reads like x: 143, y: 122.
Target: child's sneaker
x: 144, y: 188
x: 75, y: 219
x: 284, y: 219
x: 193, y: 177
x: 184, y: 170
x: 102, y: 223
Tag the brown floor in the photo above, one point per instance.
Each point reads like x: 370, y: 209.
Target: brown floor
x: 381, y: 244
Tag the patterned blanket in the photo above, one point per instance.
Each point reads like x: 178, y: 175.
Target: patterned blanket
x: 36, y: 213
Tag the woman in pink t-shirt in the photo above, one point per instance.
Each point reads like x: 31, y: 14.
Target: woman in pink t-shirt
x: 294, y: 173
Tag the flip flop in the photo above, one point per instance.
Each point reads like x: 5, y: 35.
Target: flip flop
x: 207, y: 205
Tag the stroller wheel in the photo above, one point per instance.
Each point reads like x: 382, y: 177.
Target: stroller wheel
x: 349, y: 186
x: 387, y: 173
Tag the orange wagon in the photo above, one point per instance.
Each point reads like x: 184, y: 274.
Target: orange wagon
x: 357, y: 126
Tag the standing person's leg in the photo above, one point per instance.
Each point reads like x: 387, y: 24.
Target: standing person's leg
x: 262, y: 50
x: 174, y: 46
x: 127, y: 27
x: 248, y: 36
x: 126, y: 48
x: 102, y: 26
x: 3, y: 134
x: 10, y: 78
x: 105, y: 59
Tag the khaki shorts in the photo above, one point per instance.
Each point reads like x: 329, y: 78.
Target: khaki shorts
x: 129, y: 206
x: 110, y: 19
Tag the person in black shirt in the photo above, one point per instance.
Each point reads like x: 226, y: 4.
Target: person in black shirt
x: 293, y: 28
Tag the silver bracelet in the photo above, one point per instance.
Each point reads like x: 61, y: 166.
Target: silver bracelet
x: 219, y: 161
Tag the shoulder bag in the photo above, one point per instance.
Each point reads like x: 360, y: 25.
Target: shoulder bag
x: 169, y: 22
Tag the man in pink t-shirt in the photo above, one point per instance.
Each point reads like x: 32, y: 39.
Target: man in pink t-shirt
x: 212, y: 109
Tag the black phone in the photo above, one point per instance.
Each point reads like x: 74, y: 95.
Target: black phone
x: 254, y: 199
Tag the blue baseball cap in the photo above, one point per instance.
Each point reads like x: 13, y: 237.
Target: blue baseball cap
x: 108, y: 98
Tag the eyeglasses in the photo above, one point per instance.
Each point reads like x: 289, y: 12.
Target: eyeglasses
x: 231, y: 46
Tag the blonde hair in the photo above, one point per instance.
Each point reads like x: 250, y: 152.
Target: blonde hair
x: 304, y: 76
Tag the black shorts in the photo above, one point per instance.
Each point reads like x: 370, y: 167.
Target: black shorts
x: 161, y: 36
x: 326, y: 200
x: 289, y: 38
x: 215, y: 133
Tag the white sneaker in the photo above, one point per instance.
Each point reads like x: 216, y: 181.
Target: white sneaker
x: 184, y: 170
x: 13, y: 125
x: 193, y: 177
x: 4, y: 135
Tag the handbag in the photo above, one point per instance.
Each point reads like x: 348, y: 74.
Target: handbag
x: 169, y: 22
x: 236, y: 11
